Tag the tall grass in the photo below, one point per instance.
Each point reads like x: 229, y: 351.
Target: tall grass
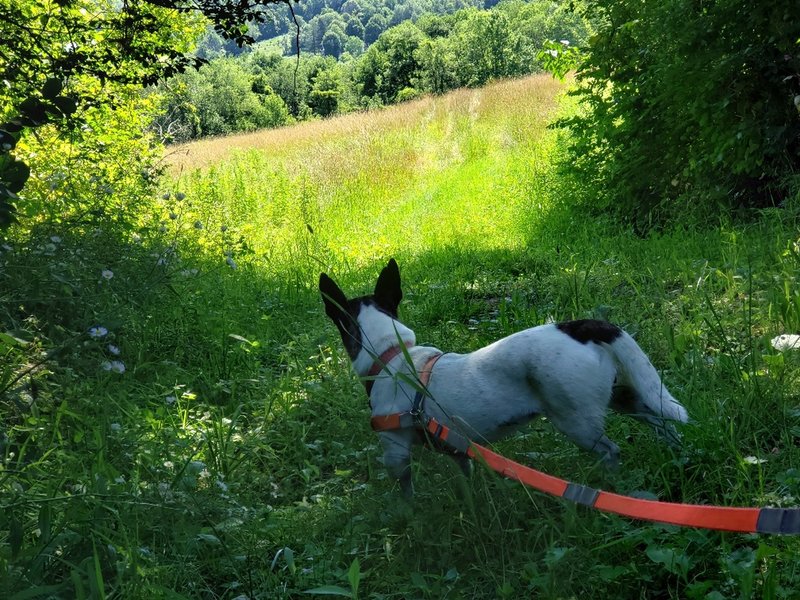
x: 233, y: 457
x: 381, y: 177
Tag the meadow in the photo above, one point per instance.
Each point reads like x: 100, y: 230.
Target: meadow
x: 199, y: 434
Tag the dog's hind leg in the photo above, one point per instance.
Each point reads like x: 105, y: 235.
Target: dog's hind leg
x: 626, y: 401
x: 587, y: 431
x: 464, y: 463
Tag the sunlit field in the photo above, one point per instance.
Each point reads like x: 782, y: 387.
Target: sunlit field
x: 457, y: 170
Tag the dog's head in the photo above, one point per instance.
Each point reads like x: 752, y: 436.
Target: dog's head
x: 367, y: 321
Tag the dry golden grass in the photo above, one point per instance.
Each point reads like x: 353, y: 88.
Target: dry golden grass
x: 537, y: 91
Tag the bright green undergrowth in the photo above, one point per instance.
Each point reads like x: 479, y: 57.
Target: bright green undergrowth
x: 233, y: 458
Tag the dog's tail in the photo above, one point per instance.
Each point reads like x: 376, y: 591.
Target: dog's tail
x: 637, y: 374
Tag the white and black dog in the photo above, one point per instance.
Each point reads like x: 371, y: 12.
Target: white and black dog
x: 571, y: 372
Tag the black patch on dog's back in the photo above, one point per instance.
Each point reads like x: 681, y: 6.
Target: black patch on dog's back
x: 590, y: 330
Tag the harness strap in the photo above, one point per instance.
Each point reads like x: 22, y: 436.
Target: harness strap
x: 418, y: 406
x: 409, y: 419
x: 380, y: 364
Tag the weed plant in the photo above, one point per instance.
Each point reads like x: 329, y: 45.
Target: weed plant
x: 181, y: 422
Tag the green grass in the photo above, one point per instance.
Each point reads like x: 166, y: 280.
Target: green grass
x: 233, y: 457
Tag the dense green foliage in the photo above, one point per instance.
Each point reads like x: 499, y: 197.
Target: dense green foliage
x: 689, y: 105
x: 433, y: 54
x: 62, y: 59
x: 332, y: 26
x: 221, y: 98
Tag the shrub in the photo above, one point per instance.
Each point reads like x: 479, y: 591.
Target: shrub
x: 689, y: 105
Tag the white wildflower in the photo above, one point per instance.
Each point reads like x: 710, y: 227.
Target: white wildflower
x: 107, y: 274
x: 786, y: 341
x: 55, y: 239
x: 170, y: 400
x: 97, y: 332
x: 117, y: 366
x: 112, y: 349
x: 115, y: 427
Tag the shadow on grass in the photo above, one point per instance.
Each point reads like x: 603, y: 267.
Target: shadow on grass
x: 236, y: 430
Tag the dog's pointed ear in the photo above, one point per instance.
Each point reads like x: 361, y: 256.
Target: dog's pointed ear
x: 333, y: 297
x: 387, y: 290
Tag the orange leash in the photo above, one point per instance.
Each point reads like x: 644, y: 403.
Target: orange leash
x: 721, y: 518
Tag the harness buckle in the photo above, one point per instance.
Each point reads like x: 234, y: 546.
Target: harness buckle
x: 418, y: 406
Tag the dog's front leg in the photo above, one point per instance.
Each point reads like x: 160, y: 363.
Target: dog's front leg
x: 464, y: 463
x: 397, y: 459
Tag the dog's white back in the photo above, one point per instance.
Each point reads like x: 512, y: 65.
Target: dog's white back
x: 571, y: 372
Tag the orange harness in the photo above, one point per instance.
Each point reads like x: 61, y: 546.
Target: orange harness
x: 745, y: 520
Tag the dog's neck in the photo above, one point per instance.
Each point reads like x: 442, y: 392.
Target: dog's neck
x: 379, y: 333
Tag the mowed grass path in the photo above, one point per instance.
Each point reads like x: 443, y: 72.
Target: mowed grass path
x: 418, y: 176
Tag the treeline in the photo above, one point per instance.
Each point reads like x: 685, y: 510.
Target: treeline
x: 335, y: 26
x: 433, y: 54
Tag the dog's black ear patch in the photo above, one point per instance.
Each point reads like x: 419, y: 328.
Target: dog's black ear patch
x: 590, y: 330
x: 388, y: 293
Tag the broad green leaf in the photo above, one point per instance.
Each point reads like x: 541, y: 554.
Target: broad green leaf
x: 52, y: 88
x: 354, y: 575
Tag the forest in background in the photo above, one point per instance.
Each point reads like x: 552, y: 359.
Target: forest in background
x: 343, y: 65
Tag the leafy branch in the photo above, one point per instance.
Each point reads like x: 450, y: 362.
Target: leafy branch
x: 55, y: 53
